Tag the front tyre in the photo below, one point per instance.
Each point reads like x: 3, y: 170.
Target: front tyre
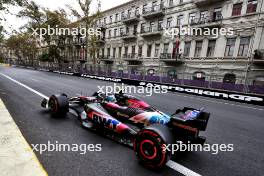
x: 149, y: 145
x: 59, y: 105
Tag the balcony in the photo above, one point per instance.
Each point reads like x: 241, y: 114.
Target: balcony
x: 152, y: 31
x: 131, y: 18
x: 153, y: 12
x: 208, y: 21
x: 132, y: 57
x: 129, y: 35
x: 107, y: 59
x: 201, y: 3
x: 102, y: 26
x: 100, y: 40
x: 171, y: 57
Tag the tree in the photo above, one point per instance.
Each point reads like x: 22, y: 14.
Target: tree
x: 89, y: 20
x: 23, y: 45
x: 45, y: 18
x: 4, y: 8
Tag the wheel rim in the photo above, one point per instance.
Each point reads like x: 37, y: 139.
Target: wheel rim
x: 148, y: 149
x: 53, y: 105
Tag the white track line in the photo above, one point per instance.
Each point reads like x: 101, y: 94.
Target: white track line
x: 180, y: 168
x: 171, y: 164
x: 25, y: 86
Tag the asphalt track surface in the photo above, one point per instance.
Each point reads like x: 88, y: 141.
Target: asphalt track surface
x: 230, y: 123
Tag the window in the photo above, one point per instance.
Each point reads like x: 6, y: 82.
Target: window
x: 143, y: 27
x: 108, y: 52
x: 170, y: 2
x: 180, y: 20
x: 230, y: 47
x: 135, y: 29
x: 122, y: 15
x: 103, y: 52
x: 111, y: 19
x: 169, y: 22
x: 244, y: 45
x: 211, y: 48
x: 203, y: 16
x: 152, y: 24
x: 139, y: 51
x: 157, y: 49
x: 115, y: 33
x: 217, y: 15
x: 109, y: 33
x: 114, y: 52
x: 133, y: 50
x: 149, y: 50
x: 116, y: 17
x: 144, y: 8
x: 160, y: 25
x: 198, y: 48
x: 121, y: 31
x: 237, y: 9
x: 128, y: 13
x: 119, y: 52
x: 137, y: 11
x: 126, y: 51
x: 187, y: 48
x: 166, y: 48
x: 192, y: 18
x: 252, y: 6
x: 229, y: 78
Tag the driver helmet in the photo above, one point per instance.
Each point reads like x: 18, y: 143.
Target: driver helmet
x: 110, y: 98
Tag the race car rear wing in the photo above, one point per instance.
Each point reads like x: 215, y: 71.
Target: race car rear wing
x: 192, y: 118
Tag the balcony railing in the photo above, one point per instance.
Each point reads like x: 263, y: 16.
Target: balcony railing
x: 172, y: 57
x: 130, y: 18
x: 129, y: 35
x: 151, y: 31
x: 132, y: 57
x: 201, y: 3
x: 107, y: 58
x: 154, y: 11
x: 213, y: 20
x: 102, y: 26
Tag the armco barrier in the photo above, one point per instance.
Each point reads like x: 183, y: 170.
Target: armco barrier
x: 213, y: 93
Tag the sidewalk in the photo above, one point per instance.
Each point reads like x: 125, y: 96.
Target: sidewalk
x: 16, y: 155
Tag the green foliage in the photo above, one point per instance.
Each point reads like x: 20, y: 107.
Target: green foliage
x: 44, y: 57
x: 23, y: 44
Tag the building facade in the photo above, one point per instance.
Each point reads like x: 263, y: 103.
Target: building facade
x: 133, y: 40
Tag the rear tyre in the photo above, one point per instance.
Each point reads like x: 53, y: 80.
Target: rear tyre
x: 149, y: 146
x: 59, y: 105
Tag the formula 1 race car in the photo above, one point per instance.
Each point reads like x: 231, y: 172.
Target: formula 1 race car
x: 133, y: 122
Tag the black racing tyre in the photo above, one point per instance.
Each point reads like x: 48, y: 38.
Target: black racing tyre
x: 59, y: 105
x: 149, y: 146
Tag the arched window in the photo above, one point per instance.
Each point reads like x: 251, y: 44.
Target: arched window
x: 172, y: 74
x: 229, y: 78
x: 199, y: 76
